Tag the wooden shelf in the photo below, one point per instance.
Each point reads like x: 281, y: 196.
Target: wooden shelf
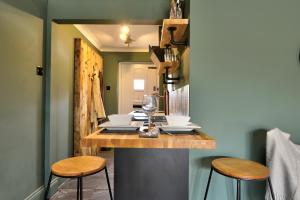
x: 179, y: 33
x: 157, y: 58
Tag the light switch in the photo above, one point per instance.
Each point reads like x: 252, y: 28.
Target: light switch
x: 39, y: 71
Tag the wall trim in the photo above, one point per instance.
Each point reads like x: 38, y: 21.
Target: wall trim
x: 38, y: 194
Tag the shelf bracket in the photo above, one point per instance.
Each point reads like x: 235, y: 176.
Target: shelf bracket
x: 172, y: 40
x: 165, y: 82
x: 167, y: 79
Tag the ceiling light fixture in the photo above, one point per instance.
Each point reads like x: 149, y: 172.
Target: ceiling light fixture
x: 125, y: 29
x: 125, y: 36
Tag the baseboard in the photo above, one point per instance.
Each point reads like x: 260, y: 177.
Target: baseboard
x: 38, y: 194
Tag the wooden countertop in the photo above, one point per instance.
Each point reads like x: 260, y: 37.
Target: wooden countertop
x: 123, y: 140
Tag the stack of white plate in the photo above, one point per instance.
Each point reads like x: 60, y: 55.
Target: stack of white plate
x: 120, y: 123
x: 178, y: 123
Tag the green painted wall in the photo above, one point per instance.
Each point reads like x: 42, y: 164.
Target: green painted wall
x: 109, y: 10
x: 244, y: 78
x: 111, y: 74
x: 33, y: 7
x: 21, y: 144
x: 62, y: 83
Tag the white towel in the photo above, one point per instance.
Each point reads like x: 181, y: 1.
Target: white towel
x: 283, y: 159
x: 98, y: 103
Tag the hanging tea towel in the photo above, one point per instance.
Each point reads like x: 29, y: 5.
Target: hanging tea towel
x: 283, y: 159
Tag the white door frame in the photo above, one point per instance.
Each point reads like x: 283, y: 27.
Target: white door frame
x: 119, y: 78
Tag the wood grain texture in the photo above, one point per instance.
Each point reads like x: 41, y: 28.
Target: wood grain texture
x: 179, y: 101
x: 180, y: 141
x: 78, y: 57
x: 87, y: 62
x: 241, y: 169
x: 179, y: 33
x: 78, y: 166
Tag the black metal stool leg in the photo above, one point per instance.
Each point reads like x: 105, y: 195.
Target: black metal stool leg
x: 48, y: 187
x: 107, y: 179
x: 238, y: 190
x: 271, y: 189
x: 208, y: 183
x: 80, y: 193
x: 78, y: 188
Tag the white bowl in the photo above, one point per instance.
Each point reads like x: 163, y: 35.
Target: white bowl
x: 177, y: 120
x: 122, y: 119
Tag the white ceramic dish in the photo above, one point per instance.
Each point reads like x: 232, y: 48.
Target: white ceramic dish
x: 121, y: 127
x: 189, y: 127
x: 122, y: 119
x: 178, y: 120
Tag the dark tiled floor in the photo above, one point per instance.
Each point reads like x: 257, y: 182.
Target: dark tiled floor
x: 94, y: 187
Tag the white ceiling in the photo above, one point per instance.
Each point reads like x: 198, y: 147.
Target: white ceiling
x: 107, y: 37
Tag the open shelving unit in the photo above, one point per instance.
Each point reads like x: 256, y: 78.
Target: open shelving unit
x: 172, y: 36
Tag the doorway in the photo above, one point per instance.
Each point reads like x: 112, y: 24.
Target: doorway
x: 135, y: 80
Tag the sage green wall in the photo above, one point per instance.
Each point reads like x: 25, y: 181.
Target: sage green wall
x: 33, y: 7
x: 62, y: 83
x: 21, y: 144
x: 136, y: 10
x: 111, y: 74
x: 244, y: 78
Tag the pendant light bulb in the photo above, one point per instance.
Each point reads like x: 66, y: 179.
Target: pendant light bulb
x: 123, y: 36
x: 125, y: 29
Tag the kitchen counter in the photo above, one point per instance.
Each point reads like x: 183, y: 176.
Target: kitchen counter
x: 150, y: 168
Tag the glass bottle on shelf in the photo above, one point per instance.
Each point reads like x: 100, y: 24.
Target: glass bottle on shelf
x: 179, y: 9
x: 172, y: 9
x: 168, y: 54
x: 176, y: 9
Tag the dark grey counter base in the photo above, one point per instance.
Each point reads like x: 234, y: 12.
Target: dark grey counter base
x: 151, y: 174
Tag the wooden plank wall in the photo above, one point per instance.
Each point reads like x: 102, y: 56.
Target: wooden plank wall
x: 179, y: 101
x: 87, y: 64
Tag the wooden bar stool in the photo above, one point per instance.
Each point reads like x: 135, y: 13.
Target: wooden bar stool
x: 78, y: 167
x: 240, y: 169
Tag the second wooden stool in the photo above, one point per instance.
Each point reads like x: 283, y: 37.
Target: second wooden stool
x: 78, y: 167
x: 239, y: 169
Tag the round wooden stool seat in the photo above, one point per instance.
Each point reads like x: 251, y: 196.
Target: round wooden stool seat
x: 78, y: 166
x: 240, y: 169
